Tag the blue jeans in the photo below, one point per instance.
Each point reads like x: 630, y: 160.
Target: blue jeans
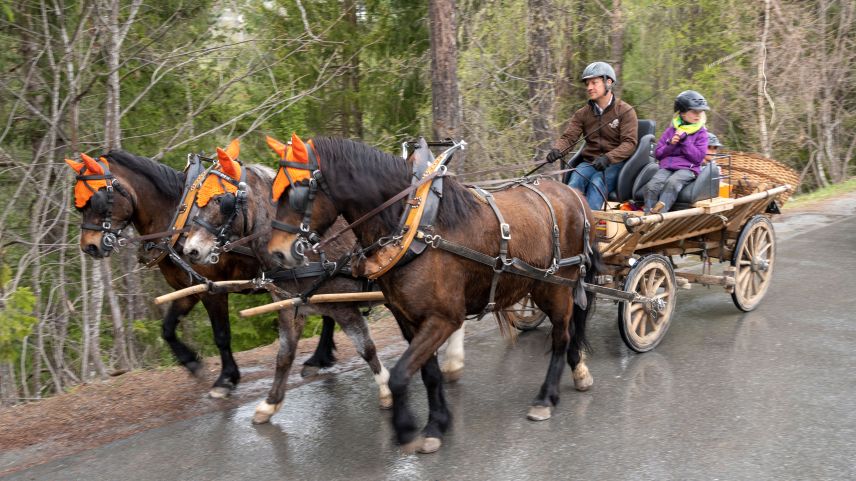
x: 595, y: 184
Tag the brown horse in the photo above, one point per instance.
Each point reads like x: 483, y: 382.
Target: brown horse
x: 431, y: 295
x: 247, y: 212
x: 146, y: 194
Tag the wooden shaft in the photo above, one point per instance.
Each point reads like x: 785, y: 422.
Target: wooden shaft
x: 195, y: 289
x: 316, y: 299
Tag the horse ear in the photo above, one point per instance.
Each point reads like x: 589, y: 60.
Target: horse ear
x: 298, y: 150
x: 91, y: 165
x: 75, y: 166
x: 277, y: 146
x: 226, y: 165
x: 234, y: 149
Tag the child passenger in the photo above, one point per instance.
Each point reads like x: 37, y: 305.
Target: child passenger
x: 680, y: 151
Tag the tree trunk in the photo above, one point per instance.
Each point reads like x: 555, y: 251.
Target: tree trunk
x: 541, y: 78
x: 616, y: 39
x: 445, y: 99
x: 761, y: 101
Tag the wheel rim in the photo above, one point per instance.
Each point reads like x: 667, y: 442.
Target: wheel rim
x: 524, y: 314
x: 754, y: 264
x: 646, y: 321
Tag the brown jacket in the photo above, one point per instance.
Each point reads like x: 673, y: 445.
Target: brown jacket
x: 613, y: 134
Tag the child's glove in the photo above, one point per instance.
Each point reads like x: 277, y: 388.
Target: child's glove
x: 601, y: 163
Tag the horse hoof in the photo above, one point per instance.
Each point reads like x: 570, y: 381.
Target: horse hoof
x: 265, y: 411
x: 309, y: 371
x: 582, y: 379
x: 539, y: 413
x: 413, y: 446
x: 453, y: 376
x: 195, y: 368
x: 386, y: 402
x: 430, y: 445
x: 219, y: 392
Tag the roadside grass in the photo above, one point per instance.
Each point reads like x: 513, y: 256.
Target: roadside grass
x: 802, y: 200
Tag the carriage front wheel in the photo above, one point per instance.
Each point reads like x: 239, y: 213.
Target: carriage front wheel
x: 524, y: 314
x: 643, y: 324
x: 753, y: 262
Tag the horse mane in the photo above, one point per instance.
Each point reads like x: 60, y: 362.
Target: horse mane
x: 165, y: 178
x: 456, y: 206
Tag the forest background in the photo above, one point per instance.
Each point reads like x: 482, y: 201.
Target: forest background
x: 163, y: 78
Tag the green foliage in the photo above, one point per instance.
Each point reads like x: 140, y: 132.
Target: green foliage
x: 16, y: 322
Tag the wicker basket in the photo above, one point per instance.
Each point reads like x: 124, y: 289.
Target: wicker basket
x: 753, y: 173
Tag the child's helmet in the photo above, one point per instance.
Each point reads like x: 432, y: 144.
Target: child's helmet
x: 690, y: 100
x: 713, y: 140
x: 599, y: 69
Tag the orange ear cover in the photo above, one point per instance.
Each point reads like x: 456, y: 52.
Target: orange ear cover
x: 277, y: 146
x: 234, y: 149
x: 298, y: 150
x: 83, y: 189
x: 213, y: 185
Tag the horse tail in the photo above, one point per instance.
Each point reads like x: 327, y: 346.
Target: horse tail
x: 579, y: 342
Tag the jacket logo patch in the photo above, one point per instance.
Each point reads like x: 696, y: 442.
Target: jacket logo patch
x: 614, y: 124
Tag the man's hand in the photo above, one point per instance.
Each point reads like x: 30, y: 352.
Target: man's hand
x: 601, y: 163
x: 553, y: 155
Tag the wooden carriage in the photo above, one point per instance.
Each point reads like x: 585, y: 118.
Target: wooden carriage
x: 733, y: 229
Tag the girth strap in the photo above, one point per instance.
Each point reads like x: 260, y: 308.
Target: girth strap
x: 557, y: 250
x: 502, y: 260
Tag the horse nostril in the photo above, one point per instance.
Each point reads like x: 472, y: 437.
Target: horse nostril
x: 279, y: 257
x: 194, y: 253
x: 91, y: 249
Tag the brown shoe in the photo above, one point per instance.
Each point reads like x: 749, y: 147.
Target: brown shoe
x: 659, y: 205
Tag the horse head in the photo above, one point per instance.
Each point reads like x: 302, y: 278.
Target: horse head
x: 303, y: 207
x: 221, y: 208
x: 104, y: 213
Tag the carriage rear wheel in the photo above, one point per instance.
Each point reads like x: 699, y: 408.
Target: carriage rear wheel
x: 524, y: 314
x: 643, y: 324
x: 753, y: 262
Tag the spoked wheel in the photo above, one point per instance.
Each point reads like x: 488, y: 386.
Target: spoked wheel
x: 643, y: 324
x: 524, y: 314
x: 753, y: 262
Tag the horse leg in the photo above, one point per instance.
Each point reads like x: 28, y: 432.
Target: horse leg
x: 354, y: 325
x: 323, y: 355
x: 453, y: 363
x: 218, y: 312
x: 576, y: 350
x: 290, y: 327
x: 559, y: 311
x: 423, y: 346
x: 186, y: 356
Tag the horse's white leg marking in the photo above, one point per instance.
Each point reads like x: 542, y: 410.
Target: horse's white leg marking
x: 382, y: 380
x: 582, y: 376
x: 264, y: 411
x: 453, y: 362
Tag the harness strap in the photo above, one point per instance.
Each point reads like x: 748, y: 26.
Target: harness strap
x: 557, y: 250
x: 504, y: 237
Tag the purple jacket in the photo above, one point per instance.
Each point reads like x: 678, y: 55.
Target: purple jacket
x: 686, y: 154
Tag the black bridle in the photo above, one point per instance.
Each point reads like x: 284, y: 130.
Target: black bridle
x: 231, y: 206
x: 301, y: 199
x: 110, y: 237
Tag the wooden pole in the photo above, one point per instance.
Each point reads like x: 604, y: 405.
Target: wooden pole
x: 197, y: 289
x: 316, y: 299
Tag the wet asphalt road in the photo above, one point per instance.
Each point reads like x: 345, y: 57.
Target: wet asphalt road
x: 769, y: 394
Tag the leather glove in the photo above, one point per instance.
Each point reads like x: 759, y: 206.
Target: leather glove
x: 601, y: 163
x: 553, y: 155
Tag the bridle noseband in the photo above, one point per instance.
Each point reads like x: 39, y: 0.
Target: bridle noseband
x: 110, y: 237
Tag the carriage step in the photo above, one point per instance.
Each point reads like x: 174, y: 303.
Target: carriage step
x: 603, y: 279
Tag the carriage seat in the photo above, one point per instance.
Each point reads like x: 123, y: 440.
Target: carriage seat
x: 632, y: 166
x: 705, y: 186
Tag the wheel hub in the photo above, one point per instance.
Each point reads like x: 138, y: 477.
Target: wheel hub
x: 653, y: 307
x: 760, y: 264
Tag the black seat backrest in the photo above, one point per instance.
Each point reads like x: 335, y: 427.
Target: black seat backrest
x: 644, y: 137
x: 640, y: 158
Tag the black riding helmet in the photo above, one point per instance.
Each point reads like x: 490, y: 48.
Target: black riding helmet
x: 690, y: 100
x: 713, y: 140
